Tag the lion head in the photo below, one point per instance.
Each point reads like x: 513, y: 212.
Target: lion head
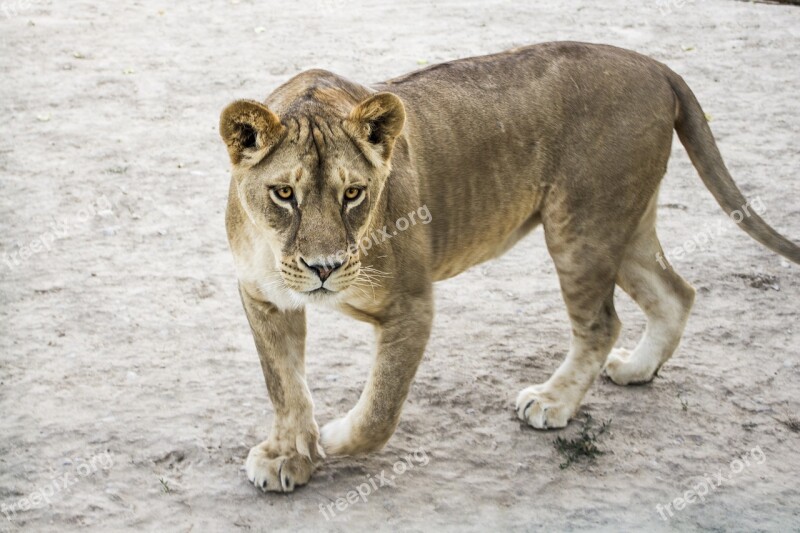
x: 309, y: 174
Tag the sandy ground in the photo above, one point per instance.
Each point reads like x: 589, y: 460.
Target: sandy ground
x: 130, y: 390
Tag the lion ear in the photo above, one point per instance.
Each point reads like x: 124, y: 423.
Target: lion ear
x: 249, y: 130
x: 379, y: 120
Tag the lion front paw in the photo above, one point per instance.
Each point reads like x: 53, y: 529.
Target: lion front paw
x: 541, y: 409
x: 280, y: 469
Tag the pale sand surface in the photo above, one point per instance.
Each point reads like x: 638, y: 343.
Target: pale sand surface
x: 127, y: 337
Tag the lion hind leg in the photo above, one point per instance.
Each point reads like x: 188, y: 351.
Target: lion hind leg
x: 586, y: 269
x: 664, y: 297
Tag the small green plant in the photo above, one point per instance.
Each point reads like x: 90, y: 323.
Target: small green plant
x: 684, y: 403
x: 792, y: 423
x: 117, y: 170
x: 164, y: 485
x: 584, y: 445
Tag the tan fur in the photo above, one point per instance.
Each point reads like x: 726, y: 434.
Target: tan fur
x: 571, y: 136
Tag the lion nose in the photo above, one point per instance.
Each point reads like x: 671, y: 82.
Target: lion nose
x: 324, y: 271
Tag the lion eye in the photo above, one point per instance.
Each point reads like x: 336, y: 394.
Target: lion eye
x: 352, y: 193
x: 284, y: 193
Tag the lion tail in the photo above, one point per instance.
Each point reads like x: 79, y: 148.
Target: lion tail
x: 697, y: 139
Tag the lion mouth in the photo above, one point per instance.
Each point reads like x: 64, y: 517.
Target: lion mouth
x: 320, y: 290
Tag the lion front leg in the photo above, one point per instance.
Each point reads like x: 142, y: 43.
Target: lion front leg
x: 291, y: 453
x: 402, y: 336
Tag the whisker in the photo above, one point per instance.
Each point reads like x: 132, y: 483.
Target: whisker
x: 360, y: 289
x: 372, y: 277
x: 368, y: 280
x: 374, y: 272
x: 365, y: 281
x: 370, y: 273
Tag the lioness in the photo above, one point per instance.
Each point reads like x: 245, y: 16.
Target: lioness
x: 571, y: 136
